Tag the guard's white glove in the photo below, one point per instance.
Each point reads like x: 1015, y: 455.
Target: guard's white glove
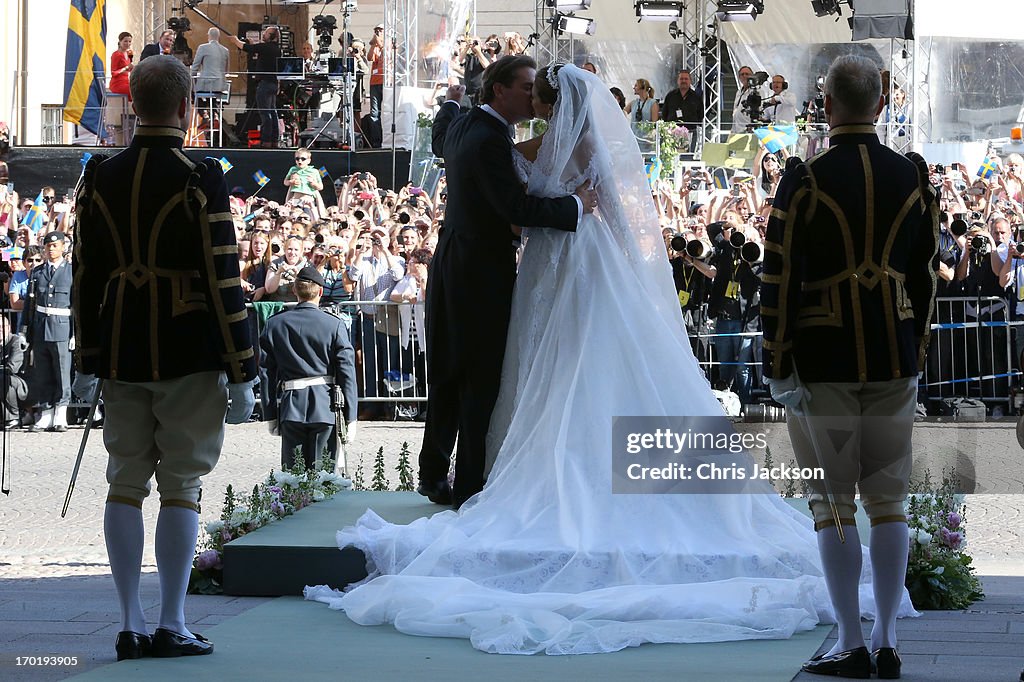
x: 788, y: 391
x: 273, y: 428
x: 350, y: 433
x: 71, y: 344
x: 242, y: 402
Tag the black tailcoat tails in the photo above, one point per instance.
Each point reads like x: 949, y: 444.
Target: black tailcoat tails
x: 469, y: 289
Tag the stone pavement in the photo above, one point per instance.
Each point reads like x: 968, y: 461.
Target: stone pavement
x: 56, y: 596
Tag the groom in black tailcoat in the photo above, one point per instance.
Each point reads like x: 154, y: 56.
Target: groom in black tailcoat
x: 469, y: 291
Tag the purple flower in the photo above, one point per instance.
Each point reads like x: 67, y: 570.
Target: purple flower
x: 277, y: 508
x: 275, y: 490
x: 210, y: 559
x: 952, y: 539
x: 954, y: 520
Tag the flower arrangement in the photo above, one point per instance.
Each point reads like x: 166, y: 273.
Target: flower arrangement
x: 939, y: 571
x: 282, y: 493
x: 674, y: 140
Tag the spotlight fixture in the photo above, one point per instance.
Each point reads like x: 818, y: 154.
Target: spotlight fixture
x: 739, y: 11
x: 659, y: 10
x: 569, y: 5
x: 570, y: 23
x: 823, y: 8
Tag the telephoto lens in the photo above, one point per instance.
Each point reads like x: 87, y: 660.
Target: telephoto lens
x: 275, y: 248
x: 958, y: 228
x: 752, y: 252
x: 738, y: 239
x: 678, y: 242
x: 698, y: 248
x: 1019, y: 248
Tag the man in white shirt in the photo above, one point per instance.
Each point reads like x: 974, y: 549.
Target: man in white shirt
x: 781, y: 106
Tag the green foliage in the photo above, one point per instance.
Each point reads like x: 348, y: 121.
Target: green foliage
x: 359, y: 478
x: 939, y: 571
x: 404, y: 469
x: 380, y: 481
x: 674, y: 140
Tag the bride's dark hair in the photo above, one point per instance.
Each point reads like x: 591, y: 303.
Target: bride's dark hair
x: 547, y: 94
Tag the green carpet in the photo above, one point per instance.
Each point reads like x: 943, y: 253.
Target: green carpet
x: 292, y: 638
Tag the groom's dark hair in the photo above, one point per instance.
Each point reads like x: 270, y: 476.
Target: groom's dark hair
x: 503, y: 71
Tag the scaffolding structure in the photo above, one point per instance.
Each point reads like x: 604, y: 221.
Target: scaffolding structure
x: 401, y: 36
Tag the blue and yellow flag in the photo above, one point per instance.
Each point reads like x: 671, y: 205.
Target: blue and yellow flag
x: 323, y: 171
x: 775, y: 137
x: 225, y: 164
x: 35, y: 215
x: 988, y: 168
x: 261, y: 178
x: 84, y: 70
x: 653, y: 170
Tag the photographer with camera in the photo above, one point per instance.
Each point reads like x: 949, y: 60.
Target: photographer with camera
x: 376, y: 271
x: 746, y: 85
x: 984, y: 272
x: 374, y: 131
x: 475, y: 56
x: 283, y: 270
x: 780, y: 106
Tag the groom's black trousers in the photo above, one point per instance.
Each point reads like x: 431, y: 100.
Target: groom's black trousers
x: 459, y: 409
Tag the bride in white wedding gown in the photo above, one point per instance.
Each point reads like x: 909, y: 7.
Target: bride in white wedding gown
x: 546, y: 558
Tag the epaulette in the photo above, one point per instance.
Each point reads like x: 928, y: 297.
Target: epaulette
x: 203, y: 173
x: 83, y: 191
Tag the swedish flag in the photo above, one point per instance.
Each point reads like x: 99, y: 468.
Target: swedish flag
x: 988, y: 169
x: 84, y: 69
x: 225, y: 164
x: 775, y: 137
x: 261, y: 178
x: 34, y: 217
x: 323, y: 171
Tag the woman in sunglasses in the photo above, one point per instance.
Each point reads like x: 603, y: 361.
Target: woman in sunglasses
x: 18, y: 285
x: 304, y: 183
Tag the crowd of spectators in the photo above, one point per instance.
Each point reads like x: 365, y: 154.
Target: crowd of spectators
x: 371, y: 245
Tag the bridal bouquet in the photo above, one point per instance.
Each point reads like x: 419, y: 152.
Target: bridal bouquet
x: 282, y: 493
x: 939, y: 571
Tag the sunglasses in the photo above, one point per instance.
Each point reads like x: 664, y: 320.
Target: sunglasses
x: 302, y: 158
x: 49, y: 200
x: 37, y: 259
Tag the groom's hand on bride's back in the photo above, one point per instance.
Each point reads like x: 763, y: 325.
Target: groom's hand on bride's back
x: 587, y: 197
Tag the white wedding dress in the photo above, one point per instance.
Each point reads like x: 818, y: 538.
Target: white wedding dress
x: 546, y: 558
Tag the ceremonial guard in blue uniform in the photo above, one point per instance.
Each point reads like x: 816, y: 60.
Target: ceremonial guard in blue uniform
x: 161, y: 320
x: 846, y: 302
x: 51, y: 334
x: 306, y: 351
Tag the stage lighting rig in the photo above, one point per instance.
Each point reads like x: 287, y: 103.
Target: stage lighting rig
x: 659, y: 10
x: 570, y: 23
x: 569, y: 5
x: 824, y: 8
x: 739, y: 11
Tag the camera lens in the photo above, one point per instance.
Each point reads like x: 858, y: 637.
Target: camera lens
x: 752, y: 252
x: 958, y: 227
x: 275, y: 248
x: 678, y: 242
x: 737, y: 239
x: 979, y: 244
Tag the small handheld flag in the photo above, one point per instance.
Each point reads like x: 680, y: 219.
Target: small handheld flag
x: 225, y: 164
x: 653, y: 171
x: 775, y: 137
x: 988, y: 169
x: 261, y: 178
x: 34, y: 217
x: 323, y: 171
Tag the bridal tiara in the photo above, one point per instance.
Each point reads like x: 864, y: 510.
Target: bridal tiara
x: 553, y: 69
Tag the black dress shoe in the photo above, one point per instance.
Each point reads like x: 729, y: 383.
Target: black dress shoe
x: 854, y: 663
x: 131, y: 645
x: 168, y: 644
x: 886, y: 662
x: 439, y: 493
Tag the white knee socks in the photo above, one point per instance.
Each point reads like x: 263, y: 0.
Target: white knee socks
x: 889, y: 547
x: 124, y: 533
x: 176, y: 532
x: 842, y: 564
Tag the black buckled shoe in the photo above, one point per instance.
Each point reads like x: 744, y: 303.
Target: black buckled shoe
x: 855, y: 663
x: 886, y: 662
x: 130, y: 645
x: 168, y: 644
